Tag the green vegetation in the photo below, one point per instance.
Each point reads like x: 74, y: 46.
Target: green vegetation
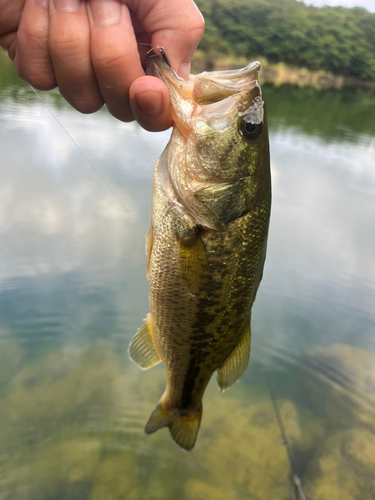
x: 8, y: 76
x: 336, y: 39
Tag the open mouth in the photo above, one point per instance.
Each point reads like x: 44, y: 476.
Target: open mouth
x: 214, y: 97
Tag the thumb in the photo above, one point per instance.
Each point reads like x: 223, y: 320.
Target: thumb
x: 178, y: 26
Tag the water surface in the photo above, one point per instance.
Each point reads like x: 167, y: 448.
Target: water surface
x: 73, y: 292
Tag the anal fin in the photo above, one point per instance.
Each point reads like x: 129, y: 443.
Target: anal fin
x: 142, y: 348
x: 236, y: 363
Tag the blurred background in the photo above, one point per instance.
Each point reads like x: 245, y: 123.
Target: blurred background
x: 75, y: 196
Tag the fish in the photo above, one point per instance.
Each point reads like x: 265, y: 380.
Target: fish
x: 206, y: 245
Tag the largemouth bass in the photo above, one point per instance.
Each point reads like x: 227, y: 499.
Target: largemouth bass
x: 207, y: 242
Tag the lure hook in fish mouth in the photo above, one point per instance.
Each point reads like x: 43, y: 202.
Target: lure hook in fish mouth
x: 160, y: 49
x: 163, y: 55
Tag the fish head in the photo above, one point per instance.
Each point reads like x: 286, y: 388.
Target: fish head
x: 219, y: 120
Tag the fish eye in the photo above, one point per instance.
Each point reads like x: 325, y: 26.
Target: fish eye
x: 250, y: 130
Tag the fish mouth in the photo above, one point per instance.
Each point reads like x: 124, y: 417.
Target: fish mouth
x: 157, y: 65
x: 215, y: 97
x: 180, y: 91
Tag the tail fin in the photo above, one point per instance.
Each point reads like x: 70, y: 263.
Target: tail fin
x: 183, y: 428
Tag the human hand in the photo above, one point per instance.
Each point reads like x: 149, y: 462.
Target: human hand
x: 93, y: 51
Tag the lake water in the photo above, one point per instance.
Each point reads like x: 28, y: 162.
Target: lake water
x: 73, y: 292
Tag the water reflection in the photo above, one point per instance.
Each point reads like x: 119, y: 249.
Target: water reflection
x: 331, y: 114
x: 73, y: 292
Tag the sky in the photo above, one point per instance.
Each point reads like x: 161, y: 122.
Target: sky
x: 367, y: 4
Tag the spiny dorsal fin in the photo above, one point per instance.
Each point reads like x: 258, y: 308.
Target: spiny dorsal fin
x: 236, y: 363
x: 142, y: 348
x: 183, y: 428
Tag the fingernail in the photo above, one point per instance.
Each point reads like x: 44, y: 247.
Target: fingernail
x: 43, y: 3
x: 67, y: 5
x: 184, y: 71
x: 149, y: 103
x: 105, y: 11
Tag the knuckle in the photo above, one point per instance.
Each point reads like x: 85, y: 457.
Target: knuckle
x: 108, y: 62
x: 33, y: 37
x: 33, y: 33
x: 43, y: 83
x: 39, y: 82
x: 87, y: 106
x: 12, y: 50
x: 36, y: 71
x: 197, y: 21
x: 6, y: 41
x: 69, y: 45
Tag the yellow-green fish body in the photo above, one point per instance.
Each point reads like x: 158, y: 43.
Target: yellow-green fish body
x: 207, y: 242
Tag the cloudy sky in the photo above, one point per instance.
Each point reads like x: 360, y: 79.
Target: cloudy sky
x: 368, y: 4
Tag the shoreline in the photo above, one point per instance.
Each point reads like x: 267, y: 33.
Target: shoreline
x: 275, y: 73
x: 280, y: 73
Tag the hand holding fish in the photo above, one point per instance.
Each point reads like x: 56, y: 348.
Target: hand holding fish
x: 94, y: 51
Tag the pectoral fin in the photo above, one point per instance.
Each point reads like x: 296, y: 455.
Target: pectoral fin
x: 236, y: 363
x: 228, y: 201
x: 142, y: 348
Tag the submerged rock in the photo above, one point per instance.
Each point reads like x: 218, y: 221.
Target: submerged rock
x: 345, y: 468
x: 63, y: 468
x: 242, y: 454
x: 116, y: 479
x: 64, y: 391
x: 348, y: 392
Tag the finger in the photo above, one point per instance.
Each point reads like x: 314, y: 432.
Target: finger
x: 178, y: 26
x: 8, y: 42
x: 150, y: 103
x: 32, y: 61
x: 69, y: 44
x: 114, y: 54
x: 10, y: 15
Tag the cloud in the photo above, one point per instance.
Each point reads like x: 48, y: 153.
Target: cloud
x: 367, y: 4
